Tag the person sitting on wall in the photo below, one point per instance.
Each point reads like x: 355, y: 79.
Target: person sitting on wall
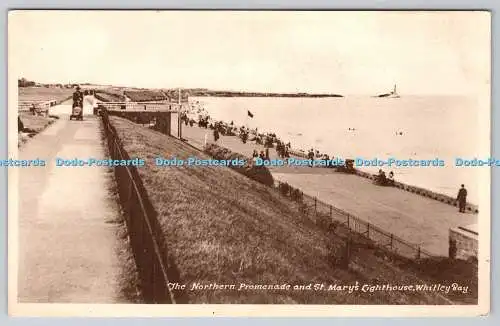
x: 310, y: 154
x: 381, y: 178
x: 390, y: 180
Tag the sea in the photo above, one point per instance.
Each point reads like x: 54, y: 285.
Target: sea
x: 409, y: 127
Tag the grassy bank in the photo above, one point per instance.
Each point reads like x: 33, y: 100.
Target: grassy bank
x: 33, y: 125
x: 222, y: 227
x: 109, y: 96
x: 44, y: 93
x: 145, y: 95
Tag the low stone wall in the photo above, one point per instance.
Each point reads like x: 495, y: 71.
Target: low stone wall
x: 463, y: 244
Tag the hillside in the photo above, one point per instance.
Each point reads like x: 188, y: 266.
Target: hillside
x: 44, y: 93
x: 208, y: 92
x: 222, y: 227
x: 145, y: 95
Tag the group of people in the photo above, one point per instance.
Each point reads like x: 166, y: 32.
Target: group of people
x: 283, y: 150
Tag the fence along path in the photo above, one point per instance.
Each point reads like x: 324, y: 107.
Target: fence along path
x: 152, y: 266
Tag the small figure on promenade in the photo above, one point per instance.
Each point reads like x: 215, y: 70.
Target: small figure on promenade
x: 310, y: 156
x: 462, y: 199
x: 279, y: 149
x: 262, y: 155
x: 243, y: 135
x: 255, y: 153
x: 20, y: 124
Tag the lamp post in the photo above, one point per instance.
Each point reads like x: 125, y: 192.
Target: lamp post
x: 179, y: 122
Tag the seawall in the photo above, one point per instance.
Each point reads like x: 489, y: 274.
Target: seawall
x: 407, y: 187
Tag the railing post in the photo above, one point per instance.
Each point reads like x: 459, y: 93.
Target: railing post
x: 348, y: 222
x: 331, y: 213
x: 392, y: 240
x: 418, y: 252
x: 315, y: 206
x: 368, y: 230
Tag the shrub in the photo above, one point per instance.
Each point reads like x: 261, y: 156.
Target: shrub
x: 258, y: 173
x: 145, y: 96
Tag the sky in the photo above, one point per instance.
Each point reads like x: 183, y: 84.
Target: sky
x: 315, y: 52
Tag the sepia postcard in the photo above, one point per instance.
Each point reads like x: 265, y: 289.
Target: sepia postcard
x: 249, y: 163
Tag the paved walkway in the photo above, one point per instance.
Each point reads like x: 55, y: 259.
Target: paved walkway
x: 67, y: 236
x: 414, y: 218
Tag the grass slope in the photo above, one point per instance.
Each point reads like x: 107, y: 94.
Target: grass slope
x: 223, y: 227
x: 44, y: 93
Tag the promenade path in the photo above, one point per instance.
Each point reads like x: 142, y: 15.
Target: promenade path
x: 68, y: 241
x: 416, y: 219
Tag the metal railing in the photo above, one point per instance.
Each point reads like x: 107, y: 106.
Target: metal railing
x: 35, y: 106
x: 311, y: 206
x: 142, y: 225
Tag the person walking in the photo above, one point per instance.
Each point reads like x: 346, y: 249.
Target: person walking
x: 462, y: 199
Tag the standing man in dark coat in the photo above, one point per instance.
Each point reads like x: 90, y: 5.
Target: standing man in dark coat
x: 462, y: 199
